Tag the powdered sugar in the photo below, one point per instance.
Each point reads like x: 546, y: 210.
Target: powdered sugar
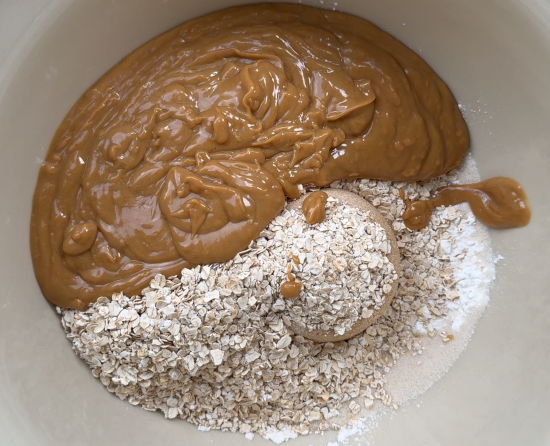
x: 473, y: 268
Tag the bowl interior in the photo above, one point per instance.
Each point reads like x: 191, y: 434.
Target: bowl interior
x: 495, y: 56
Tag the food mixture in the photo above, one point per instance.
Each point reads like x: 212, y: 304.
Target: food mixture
x: 172, y: 174
x: 210, y: 345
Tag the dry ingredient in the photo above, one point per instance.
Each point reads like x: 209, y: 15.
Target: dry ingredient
x: 341, y: 262
x: 222, y: 358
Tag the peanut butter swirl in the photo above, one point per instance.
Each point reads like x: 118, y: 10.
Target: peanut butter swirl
x: 498, y: 202
x: 183, y: 152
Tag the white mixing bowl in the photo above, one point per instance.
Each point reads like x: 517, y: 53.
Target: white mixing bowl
x: 494, y: 54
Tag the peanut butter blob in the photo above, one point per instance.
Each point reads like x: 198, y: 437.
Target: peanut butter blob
x: 313, y: 207
x: 183, y: 152
x: 498, y: 202
x: 291, y: 289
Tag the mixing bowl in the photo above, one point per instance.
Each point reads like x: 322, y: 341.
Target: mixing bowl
x: 495, y: 56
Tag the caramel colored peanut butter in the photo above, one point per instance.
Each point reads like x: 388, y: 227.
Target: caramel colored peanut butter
x: 183, y: 152
x: 291, y: 289
x: 498, y: 202
x: 313, y: 207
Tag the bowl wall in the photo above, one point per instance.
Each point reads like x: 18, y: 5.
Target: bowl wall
x: 495, y: 56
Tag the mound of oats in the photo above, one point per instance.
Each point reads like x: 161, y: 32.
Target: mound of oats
x: 211, y: 347
x: 341, y: 262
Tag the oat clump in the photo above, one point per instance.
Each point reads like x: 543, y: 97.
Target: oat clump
x: 342, y: 263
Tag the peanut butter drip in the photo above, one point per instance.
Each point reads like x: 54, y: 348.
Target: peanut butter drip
x: 291, y: 289
x: 183, y: 152
x: 498, y: 202
x: 313, y: 207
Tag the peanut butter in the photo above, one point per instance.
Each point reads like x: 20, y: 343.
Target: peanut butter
x: 498, y: 202
x: 291, y: 289
x: 313, y: 207
x: 184, y: 151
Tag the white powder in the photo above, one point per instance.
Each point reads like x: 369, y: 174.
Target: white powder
x: 280, y: 436
x: 474, y: 272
